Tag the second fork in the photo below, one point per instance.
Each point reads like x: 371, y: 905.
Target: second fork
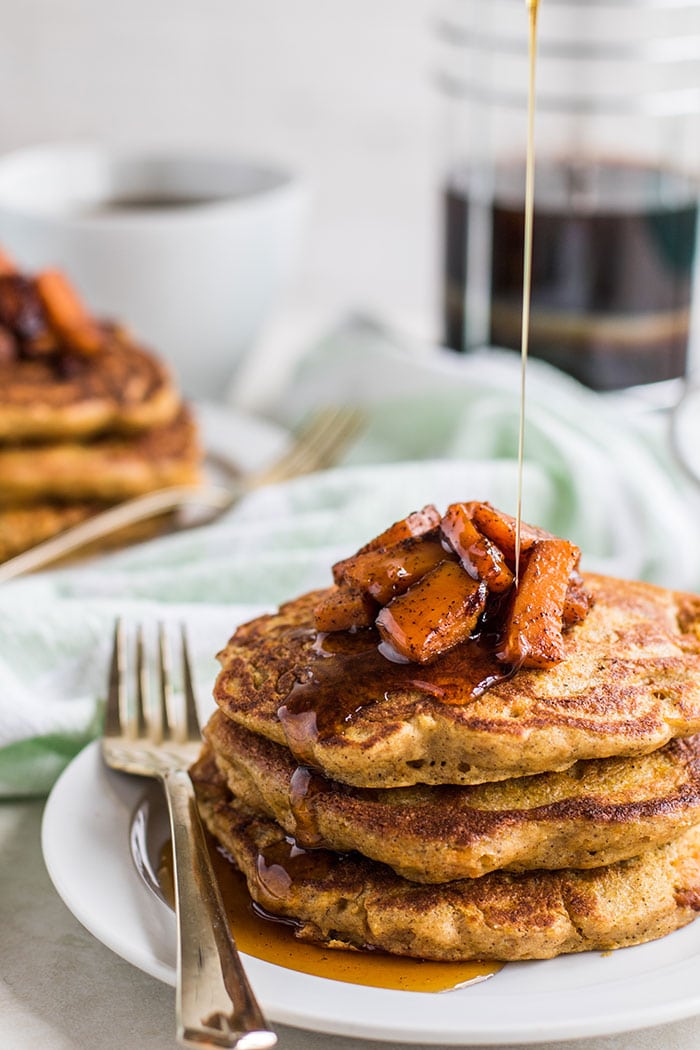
x: 317, y: 445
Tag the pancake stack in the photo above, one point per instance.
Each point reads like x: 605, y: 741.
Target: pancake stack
x: 521, y: 789
x: 87, y: 417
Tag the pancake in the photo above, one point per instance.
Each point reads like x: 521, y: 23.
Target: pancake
x: 120, y: 388
x: 595, y: 813
x: 342, y: 900
x: 108, y: 469
x: 23, y: 527
x: 628, y: 683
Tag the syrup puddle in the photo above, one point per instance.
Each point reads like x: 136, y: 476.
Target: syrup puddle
x: 271, y: 939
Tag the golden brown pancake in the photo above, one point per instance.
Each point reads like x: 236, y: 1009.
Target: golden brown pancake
x: 23, y: 527
x: 109, y: 468
x: 629, y: 682
x: 594, y: 813
x: 346, y: 900
x: 121, y: 388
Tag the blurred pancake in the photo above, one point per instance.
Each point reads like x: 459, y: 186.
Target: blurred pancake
x: 629, y: 682
x: 346, y: 900
x: 594, y: 813
x: 23, y: 527
x: 120, y: 388
x: 108, y: 469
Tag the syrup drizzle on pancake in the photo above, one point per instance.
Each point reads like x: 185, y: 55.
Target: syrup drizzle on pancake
x: 319, y: 702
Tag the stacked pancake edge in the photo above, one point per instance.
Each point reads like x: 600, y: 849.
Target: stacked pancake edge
x: 76, y: 440
x: 558, y: 811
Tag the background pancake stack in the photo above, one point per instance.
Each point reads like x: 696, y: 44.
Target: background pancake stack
x: 87, y: 418
x: 595, y: 844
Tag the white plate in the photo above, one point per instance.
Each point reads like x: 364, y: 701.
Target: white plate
x: 85, y: 840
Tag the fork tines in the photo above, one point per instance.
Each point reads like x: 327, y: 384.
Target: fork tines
x: 159, y: 705
x: 318, y: 443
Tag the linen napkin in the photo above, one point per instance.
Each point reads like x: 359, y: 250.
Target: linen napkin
x: 608, y: 477
x: 440, y: 429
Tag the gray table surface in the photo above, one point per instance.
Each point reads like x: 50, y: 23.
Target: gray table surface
x: 60, y: 989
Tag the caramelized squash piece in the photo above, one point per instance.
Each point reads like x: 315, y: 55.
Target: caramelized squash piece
x: 533, y: 628
x: 500, y: 528
x: 389, y: 571
x: 343, y: 610
x: 437, y: 613
x: 41, y: 345
x: 434, y: 581
x: 415, y: 524
x: 7, y: 265
x: 418, y: 523
x: 21, y: 309
x: 480, y: 557
x: 67, y: 316
x: 577, y: 603
x: 8, y: 346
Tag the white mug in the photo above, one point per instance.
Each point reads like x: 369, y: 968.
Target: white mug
x: 189, y: 251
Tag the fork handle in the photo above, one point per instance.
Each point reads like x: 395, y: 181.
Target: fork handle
x: 215, y: 1005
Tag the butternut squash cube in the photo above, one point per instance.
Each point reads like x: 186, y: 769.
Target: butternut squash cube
x: 533, y: 627
x: 500, y: 528
x: 67, y: 316
x: 7, y: 264
x: 437, y: 613
x: 480, y: 557
x: 418, y: 523
x: 343, y: 610
x: 389, y: 571
x: 577, y: 603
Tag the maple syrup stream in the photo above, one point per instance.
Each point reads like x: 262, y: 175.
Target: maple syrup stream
x: 275, y: 941
x: 532, y: 7
x: 266, y: 937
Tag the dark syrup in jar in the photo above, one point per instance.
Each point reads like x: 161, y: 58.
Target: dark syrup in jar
x: 613, y: 253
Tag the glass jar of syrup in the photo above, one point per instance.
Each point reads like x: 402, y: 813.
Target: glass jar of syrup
x: 617, y: 166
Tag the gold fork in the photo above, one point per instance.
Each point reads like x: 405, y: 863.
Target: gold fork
x: 215, y: 1005
x: 316, y: 445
